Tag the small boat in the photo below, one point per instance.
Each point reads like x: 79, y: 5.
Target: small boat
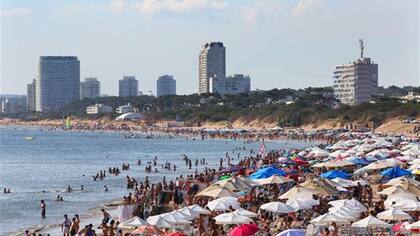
x: 30, y: 138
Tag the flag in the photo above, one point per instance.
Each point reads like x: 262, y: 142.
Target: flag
x: 263, y: 151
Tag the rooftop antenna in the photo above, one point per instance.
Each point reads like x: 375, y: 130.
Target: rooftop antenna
x: 361, y: 47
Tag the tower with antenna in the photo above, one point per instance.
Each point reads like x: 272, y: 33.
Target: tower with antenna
x: 362, y: 47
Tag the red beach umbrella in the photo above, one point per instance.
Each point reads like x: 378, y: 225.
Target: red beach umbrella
x: 244, y: 230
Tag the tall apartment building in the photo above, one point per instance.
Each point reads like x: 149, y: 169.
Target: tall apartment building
x: 30, y: 96
x: 211, y: 64
x: 356, y: 82
x: 58, y: 82
x: 128, y: 86
x: 90, y: 88
x: 165, y: 85
x: 234, y: 84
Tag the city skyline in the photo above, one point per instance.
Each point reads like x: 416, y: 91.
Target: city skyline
x: 279, y: 44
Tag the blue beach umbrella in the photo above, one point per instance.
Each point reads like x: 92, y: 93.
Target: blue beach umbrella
x: 394, y: 172
x: 266, y: 172
x: 359, y: 161
x: 335, y: 174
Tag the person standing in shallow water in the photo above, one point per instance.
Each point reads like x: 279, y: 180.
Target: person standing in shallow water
x: 43, y: 209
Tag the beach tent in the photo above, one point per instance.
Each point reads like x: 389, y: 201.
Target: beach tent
x: 370, y: 221
x: 292, y: 232
x: 199, y: 210
x: 298, y: 192
x: 134, y: 222
x: 394, y: 172
x: 223, y: 204
x: 266, y: 172
x: 277, y: 207
x: 147, y: 230
x: 244, y: 212
x: 302, y: 203
x: 232, y: 218
x: 274, y: 179
x: 335, y: 174
x: 244, y: 230
x: 393, y: 214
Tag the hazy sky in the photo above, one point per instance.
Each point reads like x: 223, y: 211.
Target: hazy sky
x: 279, y: 43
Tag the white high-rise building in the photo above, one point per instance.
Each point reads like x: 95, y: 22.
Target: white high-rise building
x: 211, y: 64
x: 91, y: 88
x: 58, y: 82
x: 165, y: 85
x: 30, y: 101
x: 356, y: 82
x: 128, y: 86
x: 234, y: 84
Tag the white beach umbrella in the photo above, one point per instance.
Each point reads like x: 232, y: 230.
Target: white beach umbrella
x: 188, y: 213
x: 159, y: 221
x: 393, y: 214
x: 298, y: 192
x: 197, y: 209
x: 223, y: 204
x: 345, y: 183
x: 277, y: 207
x: 133, y: 223
x: 274, y: 179
x: 301, y: 204
x: 415, y: 225
x: 244, y: 212
x: 351, y: 203
x: 407, y: 205
x: 232, y: 218
x: 175, y: 218
x: 328, y: 218
x: 370, y: 221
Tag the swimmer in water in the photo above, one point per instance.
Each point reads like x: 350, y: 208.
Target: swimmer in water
x: 105, y: 188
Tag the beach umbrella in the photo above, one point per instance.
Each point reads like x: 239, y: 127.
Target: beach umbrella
x: 318, y: 152
x: 274, y: 179
x: 415, y: 225
x: 277, y: 207
x: 351, y: 203
x: 246, y: 213
x: 217, y: 192
x: 377, y: 165
x: 407, y: 204
x: 234, y: 184
x: 328, y: 218
x: 394, y: 172
x: 175, y: 234
x: 400, y: 226
x: 175, y: 217
x: 147, y: 230
x: 359, y: 161
x: 403, y: 181
x: 159, y: 221
x: 292, y: 232
x: 335, y: 174
x: 345, y: 183
x: 223, y: 204
x: 232, y: 218
x: 223, y: 177
x: 298, y: 192
x: 199, y: 210
x: 133, y: 223
x: 370, y: 221
x: 393, y: 214
x: 284, y: 160
x: 321, y: 187
x: 188, y: 213
x: 244, y: 230
x: 266, y: 172
x: 299, y: 161
x: 302, y: 203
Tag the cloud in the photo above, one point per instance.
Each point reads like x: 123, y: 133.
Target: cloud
x: 262, y: 11
x: 117, y: 5
x: 302, y: 6
x: 15, y: 12
x: 154, y: 6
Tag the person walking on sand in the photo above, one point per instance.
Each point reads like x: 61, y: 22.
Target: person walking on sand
x: 65, y: 226
x: 43, y: 209
x: 106, y: 215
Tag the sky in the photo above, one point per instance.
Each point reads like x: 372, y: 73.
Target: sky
x: 278, y: 43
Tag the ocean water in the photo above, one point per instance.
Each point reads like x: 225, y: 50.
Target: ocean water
x: 42, y: 168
